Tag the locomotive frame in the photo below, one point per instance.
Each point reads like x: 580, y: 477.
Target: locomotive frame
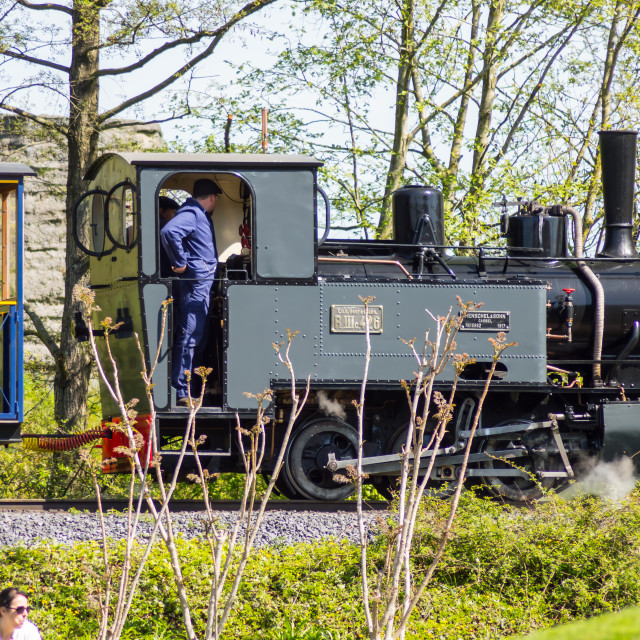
x: 276, y: 273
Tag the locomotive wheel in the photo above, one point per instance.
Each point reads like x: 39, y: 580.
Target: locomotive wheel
x: 283, y: 487
x: 278, y: 489
x: 308, y: 454
x: 542, y: 456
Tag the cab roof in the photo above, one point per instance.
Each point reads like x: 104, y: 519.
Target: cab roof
x: 209, y: 160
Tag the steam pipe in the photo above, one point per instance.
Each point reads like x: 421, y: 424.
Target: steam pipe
x: 597, y: 289
x: 396, y: 263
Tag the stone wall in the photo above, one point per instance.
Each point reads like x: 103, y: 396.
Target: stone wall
x: 45, y: 203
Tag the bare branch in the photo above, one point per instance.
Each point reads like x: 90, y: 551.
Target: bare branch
x: 39, y: 61
x: 119, y: 124
x: 45, y: 6
x: 45, y: 122
x: 247, y: 10
x: 514, y: 128
x: 168, y: 46
x: 42, y: 333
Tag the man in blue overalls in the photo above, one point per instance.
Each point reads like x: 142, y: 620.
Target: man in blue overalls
x: 190, y: 243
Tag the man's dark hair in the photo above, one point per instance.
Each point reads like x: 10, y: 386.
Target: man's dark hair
x: 205, y: 187
x: 167, y: 203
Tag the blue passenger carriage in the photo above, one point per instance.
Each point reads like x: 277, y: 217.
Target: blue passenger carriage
x: 11, y: 301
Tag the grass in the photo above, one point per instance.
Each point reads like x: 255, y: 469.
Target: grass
x: 624, y: 625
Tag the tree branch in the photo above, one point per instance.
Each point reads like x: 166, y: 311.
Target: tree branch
x: 38, y: 61
x: 42, y: 333
x: 154, y: 54
x: 50, y: 124
x: 498, y: 156
x: 247, y: 10
x: 45, y: 6
x: 119, y: 124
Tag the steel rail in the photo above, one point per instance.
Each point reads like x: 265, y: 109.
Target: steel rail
x: 177, y: 506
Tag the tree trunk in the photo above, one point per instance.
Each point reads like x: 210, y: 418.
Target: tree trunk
x: 485, y: 111
x: 400, y: 135
x: 74, y: 364
x: 450, y: 178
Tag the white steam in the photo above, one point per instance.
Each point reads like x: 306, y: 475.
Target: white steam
x: 609, y: 480
x: 330, y: 407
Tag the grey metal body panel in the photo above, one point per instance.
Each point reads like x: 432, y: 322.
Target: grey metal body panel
x: 259, y: 315
x: 149, y: 183
x: 621, y: 431
x: 284, y: 242
x: 285, y: 238
x: 153, y: 295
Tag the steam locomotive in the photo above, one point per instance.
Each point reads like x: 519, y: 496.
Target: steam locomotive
x: 568, y: 393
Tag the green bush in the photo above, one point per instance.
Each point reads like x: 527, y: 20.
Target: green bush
x: 506, y: 572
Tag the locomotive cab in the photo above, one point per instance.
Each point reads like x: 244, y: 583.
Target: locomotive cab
x: 116, y: 223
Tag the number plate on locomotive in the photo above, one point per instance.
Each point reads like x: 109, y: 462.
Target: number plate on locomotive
x: 486, y: 321
x: 350, y: 318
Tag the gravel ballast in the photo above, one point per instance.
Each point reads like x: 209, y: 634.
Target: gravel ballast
x: 30, y: 528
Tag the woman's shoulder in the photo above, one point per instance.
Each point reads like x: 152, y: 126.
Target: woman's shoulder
x: 28, y: 631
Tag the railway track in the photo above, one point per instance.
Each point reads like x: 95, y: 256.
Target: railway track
x: 91, y: 506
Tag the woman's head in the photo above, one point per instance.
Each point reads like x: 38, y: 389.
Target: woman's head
x: 14, y: 607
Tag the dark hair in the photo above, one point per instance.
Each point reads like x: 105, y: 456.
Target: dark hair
x: 205, y: 187
x: 167, y: 203
x: 7, y: 595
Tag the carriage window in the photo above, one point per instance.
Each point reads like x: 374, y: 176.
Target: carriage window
x: 8, y: 233
x: 97, y: 222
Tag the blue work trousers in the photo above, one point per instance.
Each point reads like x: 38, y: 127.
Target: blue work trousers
x: 190, y: 339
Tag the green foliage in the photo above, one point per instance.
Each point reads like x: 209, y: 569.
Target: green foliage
x: 506, y: 572
x: 334, y: 89
x: 517, y: 569
x: 290, y: 632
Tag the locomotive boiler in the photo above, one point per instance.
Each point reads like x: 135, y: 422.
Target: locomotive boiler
x: 566, y: 395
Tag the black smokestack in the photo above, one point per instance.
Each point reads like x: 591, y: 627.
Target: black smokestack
x: 618, y: 160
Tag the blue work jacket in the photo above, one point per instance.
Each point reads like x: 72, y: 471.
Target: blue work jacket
x: 189, y: 240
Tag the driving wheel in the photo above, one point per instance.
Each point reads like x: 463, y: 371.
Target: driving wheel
x: 308, y: 454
